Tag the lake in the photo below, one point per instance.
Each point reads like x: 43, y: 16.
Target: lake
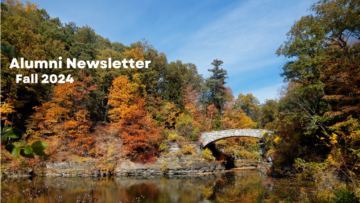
x: 234, y: 186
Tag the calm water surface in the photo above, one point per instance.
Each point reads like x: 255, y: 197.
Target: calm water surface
x: 234, y: 186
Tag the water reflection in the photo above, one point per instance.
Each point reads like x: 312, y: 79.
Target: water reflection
x: 235, y: 186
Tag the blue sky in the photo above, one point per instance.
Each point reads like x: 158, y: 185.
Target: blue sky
x: 245, y: 34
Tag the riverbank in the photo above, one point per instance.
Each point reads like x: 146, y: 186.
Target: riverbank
x: 185, y: 165
x: 173, y: 162
x: 189, y: 165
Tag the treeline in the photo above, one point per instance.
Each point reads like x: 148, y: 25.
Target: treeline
x: 316, y: 118
x: 143, y: 106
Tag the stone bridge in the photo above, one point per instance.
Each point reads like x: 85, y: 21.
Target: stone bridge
x: 208, y: 137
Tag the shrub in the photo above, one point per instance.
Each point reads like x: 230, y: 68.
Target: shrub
x: 172, y: 137
x: 255, y: 155
x: 178, y: 154
x: 344, y: 195
x: 180, y: 139
x: 164, y: 167
x: 164, y: 147
x: 165, y: 133
x: 248, y: 155
x: 242, y: 154
x: 207, y: 155
x: 186, y: 150
x: 256, y: 147
x: 195, y: 135
x: 148, y: 156
x: 221, y: 143
x: 185, y: 126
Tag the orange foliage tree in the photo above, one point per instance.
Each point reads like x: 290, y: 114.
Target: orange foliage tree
x: 65, y: 116
x: 191, y: 103
x: 130, y: 118
x: 211, y: 111
x: 7, y: 107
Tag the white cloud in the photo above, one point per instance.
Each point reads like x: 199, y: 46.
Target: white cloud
x: 247, y: 33
x: 246, y: 39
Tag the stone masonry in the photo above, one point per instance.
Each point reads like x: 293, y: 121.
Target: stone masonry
x: 209, y: 137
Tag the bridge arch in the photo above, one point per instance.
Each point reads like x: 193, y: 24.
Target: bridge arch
x: 209, y: 137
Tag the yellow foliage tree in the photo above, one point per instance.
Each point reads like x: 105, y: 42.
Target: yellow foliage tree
x: 170, y: 113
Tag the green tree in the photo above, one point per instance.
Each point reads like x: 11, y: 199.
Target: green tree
x: 172, y: 87
x: 268, y: 112
x: 185, y: 127
x: 215, y: 86
x: 249, y: 104
x: 322, y: 99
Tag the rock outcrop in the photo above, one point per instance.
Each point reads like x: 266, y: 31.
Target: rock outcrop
x: 185, y: 165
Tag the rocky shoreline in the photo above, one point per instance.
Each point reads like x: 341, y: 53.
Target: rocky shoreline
x: 163, y: 166
x: 169, y: 164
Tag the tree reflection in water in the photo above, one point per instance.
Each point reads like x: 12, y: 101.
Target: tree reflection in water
x: 234, y: 186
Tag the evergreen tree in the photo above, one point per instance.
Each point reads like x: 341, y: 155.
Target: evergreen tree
x: 215, y: 85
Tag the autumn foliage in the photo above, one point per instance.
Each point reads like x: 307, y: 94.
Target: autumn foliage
x: 134, y: 108
x: 137, y: 109
x: 129, y: 117
x: 65, y: 116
